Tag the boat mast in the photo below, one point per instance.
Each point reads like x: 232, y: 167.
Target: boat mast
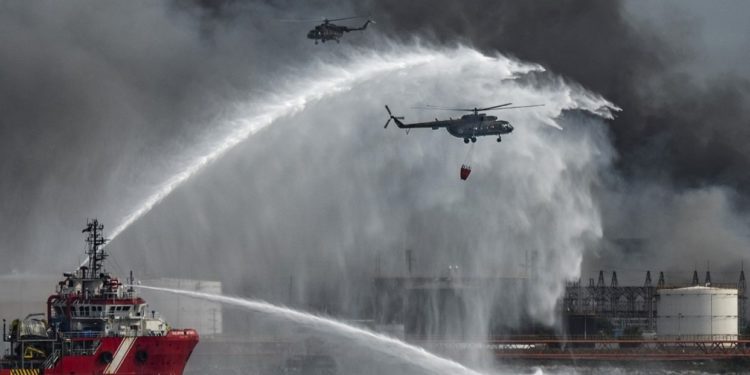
x: 95, y: 239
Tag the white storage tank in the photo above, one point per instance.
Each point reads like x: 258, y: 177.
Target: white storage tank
x: 697, y: 311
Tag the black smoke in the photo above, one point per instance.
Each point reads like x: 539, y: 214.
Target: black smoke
x: 683, y: 131
x: 92, y: 93
x: 671, y: 124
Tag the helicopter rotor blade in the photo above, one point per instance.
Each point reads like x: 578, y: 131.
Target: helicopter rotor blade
x: 301, y: 20
x: 323, y: 19
x: 518, y: 106
x: 494, y: 107
x: 430, y: 107
x: 462, y: 109
x: 390, y: 117
x: 346, y: 18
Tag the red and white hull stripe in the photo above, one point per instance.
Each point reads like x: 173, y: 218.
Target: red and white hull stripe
x: 120, y: 354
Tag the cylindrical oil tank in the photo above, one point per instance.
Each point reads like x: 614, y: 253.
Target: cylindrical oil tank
x: 697, y: 311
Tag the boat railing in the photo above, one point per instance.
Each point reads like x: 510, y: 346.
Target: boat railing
x: 81, y: 335
x: 51, y: 360
x: 67, y: 350
x: 98, y: 335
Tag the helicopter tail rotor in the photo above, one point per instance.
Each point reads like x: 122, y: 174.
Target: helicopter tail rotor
x: 392, y: 117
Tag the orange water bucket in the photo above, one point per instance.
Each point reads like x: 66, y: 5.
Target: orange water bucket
x: 465, y: 171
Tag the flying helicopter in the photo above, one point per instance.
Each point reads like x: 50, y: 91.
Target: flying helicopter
x: 468, y: 127
x: 330, y: 31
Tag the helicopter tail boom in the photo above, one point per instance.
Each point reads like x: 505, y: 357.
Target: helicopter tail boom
x: 360, y: 28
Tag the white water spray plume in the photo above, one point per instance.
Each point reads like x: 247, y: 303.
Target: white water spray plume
x: 541, y: 179
x: 365, y: 339
x: 328, y: 80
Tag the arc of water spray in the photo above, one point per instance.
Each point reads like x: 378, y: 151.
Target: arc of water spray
x: 336, y: 80
x: 329, y: 80
x: 282, y: 105
x: 386, y: 345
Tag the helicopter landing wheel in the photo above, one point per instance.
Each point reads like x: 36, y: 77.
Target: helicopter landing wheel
x: 473, y: 139
x: 499, y: 139
x: 466, y: 140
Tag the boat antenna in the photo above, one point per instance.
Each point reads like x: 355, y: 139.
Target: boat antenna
x: 95, y: 240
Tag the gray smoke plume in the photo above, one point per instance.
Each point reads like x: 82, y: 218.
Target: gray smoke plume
x: 92, y: 93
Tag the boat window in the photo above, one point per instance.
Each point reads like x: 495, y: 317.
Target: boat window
x: 126, y: 308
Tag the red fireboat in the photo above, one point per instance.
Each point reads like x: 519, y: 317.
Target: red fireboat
x: 95, y: 325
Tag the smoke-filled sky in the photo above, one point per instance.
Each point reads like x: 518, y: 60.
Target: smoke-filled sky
x: 103, y: 103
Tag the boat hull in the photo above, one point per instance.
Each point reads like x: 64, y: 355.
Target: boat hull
x: 163, y: 355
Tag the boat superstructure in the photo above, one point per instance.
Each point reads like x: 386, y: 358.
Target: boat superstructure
x: 94, y: 324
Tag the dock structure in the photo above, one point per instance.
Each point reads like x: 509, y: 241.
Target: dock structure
x: 602, y: 349
x: 601, y: 320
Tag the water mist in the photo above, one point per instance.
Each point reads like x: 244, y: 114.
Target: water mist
x: 390, y: 348
x: 528, y: 195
